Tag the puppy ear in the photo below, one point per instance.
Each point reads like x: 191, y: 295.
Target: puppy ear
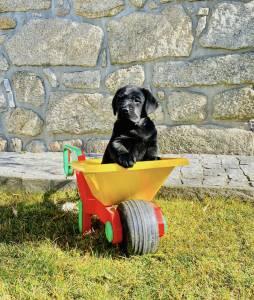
x: 151, y: 103
x: 119, y: 94
x: 114, y: 104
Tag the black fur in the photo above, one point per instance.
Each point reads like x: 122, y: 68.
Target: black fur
x: 134, y: 136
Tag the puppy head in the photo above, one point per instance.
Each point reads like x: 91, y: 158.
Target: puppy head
x: 133, y: 103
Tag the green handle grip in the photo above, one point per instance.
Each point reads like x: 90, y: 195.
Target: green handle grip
x: 68, y: 171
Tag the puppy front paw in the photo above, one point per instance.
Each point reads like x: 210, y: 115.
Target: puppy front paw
x: 126, y: 160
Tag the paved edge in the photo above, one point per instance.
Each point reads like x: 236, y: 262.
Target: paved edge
x: 199, y: 193
x: 185, y: 192
x: 207, y: 175
x: 14, y: 184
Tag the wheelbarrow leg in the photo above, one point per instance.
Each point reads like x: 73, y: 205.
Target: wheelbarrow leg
x: 84, y: 219
x: 87, y: 225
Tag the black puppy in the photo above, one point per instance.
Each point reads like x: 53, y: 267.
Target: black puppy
x: 134, y: 136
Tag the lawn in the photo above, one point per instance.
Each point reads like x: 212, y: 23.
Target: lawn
x: 208, y: 253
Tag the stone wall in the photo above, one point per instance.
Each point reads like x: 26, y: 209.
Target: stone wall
x: 61, y: 62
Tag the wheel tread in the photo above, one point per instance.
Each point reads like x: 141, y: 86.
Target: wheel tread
x: 140, y: 228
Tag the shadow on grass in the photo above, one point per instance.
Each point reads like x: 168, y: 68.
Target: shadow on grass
x: 23, y: 222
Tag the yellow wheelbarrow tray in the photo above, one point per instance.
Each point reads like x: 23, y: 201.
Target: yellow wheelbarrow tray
x: 111, y: 184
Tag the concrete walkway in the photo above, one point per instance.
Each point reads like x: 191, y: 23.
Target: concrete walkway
x: 34, y: 172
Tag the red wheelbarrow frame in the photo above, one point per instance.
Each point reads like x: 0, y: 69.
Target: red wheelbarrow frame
x: 89, y: 205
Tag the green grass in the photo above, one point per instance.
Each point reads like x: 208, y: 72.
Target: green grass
x: 208, y: 253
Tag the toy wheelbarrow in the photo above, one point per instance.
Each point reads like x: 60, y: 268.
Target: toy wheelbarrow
x: 121, y: 198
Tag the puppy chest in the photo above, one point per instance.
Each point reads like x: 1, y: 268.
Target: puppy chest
x: 140, y: 135
x: 137, y: 146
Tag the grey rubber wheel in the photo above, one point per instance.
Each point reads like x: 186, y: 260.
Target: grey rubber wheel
x: 140, y: 228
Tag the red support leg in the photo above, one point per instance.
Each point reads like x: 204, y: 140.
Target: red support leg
x: 83, y: 192
x: 92, y: 206
x: 86, y: 223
